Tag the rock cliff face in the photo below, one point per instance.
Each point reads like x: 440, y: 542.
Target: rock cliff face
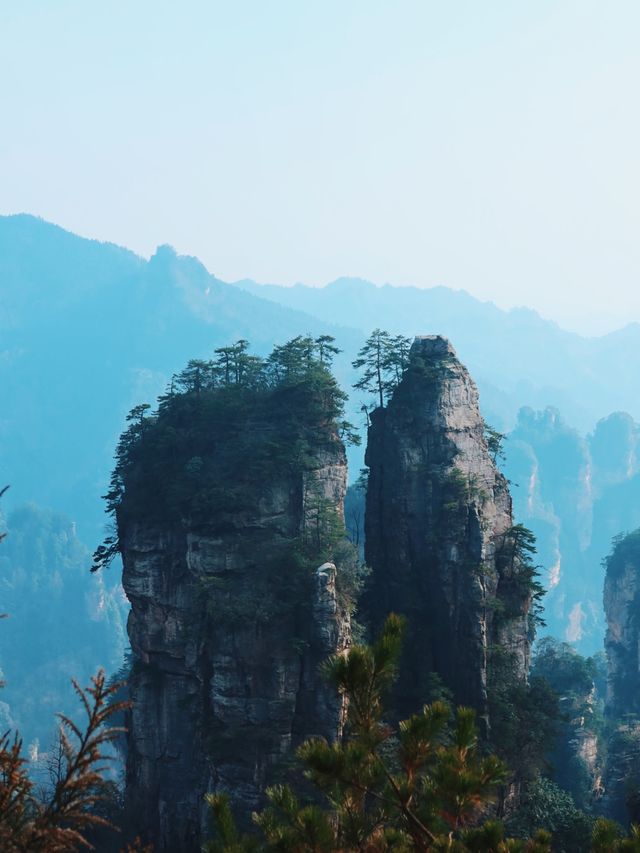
x: 622, y: 645
x: 227, y: 644
x: 438, y: 517
x: 622, y: 642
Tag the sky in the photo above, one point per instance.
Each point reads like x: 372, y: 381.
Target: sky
x: 490, y: 146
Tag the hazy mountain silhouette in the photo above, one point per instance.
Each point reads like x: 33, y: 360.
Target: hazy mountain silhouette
x: 515, y: 356
x: 89, y: 329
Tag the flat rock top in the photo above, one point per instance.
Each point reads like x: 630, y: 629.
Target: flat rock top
x: 432, y: 346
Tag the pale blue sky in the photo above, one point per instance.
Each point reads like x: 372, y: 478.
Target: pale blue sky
x: 486, y: 145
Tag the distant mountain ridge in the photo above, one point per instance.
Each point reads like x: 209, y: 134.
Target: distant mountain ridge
x: 90, y: 329
x: 517, y: 352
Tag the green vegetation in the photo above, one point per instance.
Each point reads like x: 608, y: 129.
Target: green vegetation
x: 354, y: 510
x: 568, y: 672
x: 495, y: 442
x: 573, y: 677
x: 524, y: 715
x: 519, y: 576
x: 457, y: 491
x: 231, y: 437
x: 429, y: 372
x: 61, y: 820
x: 51, y: 603
x: 545, y: 804
x: 623, y: 761
x: 422, y: 785
x: 224, y: 429
x: 383, y: 360
x: 609, y: 837
x: 625, y: 550
x: 237, y: 431
x: 565, y: 802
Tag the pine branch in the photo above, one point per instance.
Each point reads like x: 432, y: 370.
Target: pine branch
x: 28, y: 825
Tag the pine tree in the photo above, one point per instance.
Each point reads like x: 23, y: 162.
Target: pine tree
x: 326, y: 349
x: 58, y: 824
x: 224, y: 364
x: 373, y: 357
x: 196, y: 377
x: 608, y: 837
x: 495, y: 443
x: 384, y: 359
x: 420, y: 786
x: 398, y: 357
x: 138, y: 421
x: 293, y: 360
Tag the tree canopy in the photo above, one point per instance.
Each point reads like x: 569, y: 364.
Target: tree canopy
x: 267, y: 412
x: 382, y: 360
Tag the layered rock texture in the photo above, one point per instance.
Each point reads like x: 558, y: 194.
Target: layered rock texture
x: 622, y: 645
x: 228, y: 631
x: 622, y: 610
x: 438, y: 525
x: 225, y: 499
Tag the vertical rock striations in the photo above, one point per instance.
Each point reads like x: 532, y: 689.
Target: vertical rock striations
x: 438, y: 527
x: 622, y: 611
x: 622, y: 646
x: 230, y: 616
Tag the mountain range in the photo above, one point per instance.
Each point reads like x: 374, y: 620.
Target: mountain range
x: 90, y: 329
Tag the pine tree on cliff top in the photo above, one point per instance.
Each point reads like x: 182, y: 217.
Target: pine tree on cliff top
x: 383, y: 359
x: 295, y: 380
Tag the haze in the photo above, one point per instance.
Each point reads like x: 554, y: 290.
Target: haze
x: 485, y: 146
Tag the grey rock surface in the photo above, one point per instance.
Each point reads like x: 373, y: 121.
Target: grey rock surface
x: 226, y: 676
x: 437, y: 514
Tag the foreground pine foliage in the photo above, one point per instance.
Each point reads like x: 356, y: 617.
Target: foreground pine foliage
x: 59, y: 824
x: 608, y: 838
x: 422, y: 785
